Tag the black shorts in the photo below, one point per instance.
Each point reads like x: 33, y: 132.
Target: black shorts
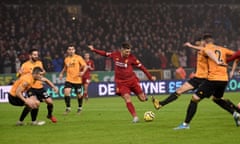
x: 196, y: 82
x: 78, y: 88
x: 212, y: 88
x: 15, y: 100
x: 39, y: 93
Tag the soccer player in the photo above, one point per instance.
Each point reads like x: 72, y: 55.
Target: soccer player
x: 22, y: 85
x: 236, y: 59
x: 125, y: 78
x: 75, y: 67
x: 192, y: 84
x: 87, y: 77
x: 214, y: 85
x: 37, y: 88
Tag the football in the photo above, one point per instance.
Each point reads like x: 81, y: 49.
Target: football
x: 149, y: 116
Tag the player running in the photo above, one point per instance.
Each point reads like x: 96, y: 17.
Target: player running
x: 87, y: 76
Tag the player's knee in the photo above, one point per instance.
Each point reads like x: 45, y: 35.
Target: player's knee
x: 48, y: 101
x: 37, y: 103
x: 195, y: 98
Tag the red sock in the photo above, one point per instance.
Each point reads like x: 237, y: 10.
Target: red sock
x: 131, y: 109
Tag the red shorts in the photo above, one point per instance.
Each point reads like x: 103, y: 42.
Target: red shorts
x: 128, y: 87
x: 86, y: 80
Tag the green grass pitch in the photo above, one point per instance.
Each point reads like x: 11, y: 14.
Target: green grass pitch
x: 107, y: 121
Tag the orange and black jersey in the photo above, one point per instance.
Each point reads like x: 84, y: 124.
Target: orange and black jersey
x: 202, y: 65
x: 215, y: 71
x: 27, y: 68
x: 25, y: 82
x: 73, y: 65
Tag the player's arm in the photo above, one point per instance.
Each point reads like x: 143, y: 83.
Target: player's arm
x: 188, y: 44
x: 19, y: 94
x: 213, y: 56
x: 20, y: 89
x: 62, y: 72
x: 20, y: 71
x: 83, y: 66
x: 234, y: 66
x: 140, y: 66
x: 48, y: 82
x: 43, y: 71
x: 84, y: 69
x: 100, y: 52
x: 236, y: 55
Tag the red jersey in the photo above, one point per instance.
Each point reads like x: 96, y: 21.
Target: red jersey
x: 123, y: 66
x: 89, y: 63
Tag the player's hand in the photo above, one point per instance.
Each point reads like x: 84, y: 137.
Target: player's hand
x: 60, y: 76
x: 154, y: 78
x: 91, y: 47
x: 31, y: 103
x: 55, y: 89
x: 221, y: 63
x: 81, y: 74
x: 187, y: 44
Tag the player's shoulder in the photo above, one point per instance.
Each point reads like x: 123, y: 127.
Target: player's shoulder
x: 132, y: 56
x: 77, y: 56
x: 26, y: 63
x: 39, y: 62
x: 27, y: 78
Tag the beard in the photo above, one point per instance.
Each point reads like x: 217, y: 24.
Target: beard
x: 34, y: 59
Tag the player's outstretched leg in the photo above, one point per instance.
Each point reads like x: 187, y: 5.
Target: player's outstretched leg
x: 156, y: 103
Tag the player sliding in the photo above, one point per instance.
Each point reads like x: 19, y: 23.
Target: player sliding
x: 125, y: 78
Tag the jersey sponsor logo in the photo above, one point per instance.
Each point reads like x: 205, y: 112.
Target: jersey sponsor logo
x: 120, y: 64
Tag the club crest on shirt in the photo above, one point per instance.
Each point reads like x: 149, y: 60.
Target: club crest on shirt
x: 72, y: 63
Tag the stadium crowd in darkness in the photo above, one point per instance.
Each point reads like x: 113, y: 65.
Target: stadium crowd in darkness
x: 156, y: 31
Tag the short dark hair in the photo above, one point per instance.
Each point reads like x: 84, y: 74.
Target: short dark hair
x: 207, y: 36
x: 198, y: 39
x: 126, y: 45
x: 32, y: 50
x: 37, y: 70
x: 71, y: 45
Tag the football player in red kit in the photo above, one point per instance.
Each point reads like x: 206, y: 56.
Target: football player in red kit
x: 87, y: 75
x: 125, y: 78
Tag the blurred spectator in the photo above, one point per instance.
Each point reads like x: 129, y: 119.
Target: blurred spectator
x: 8, y: 63
x: 47, y: 62
x: 163, y: 60
x: 192, y: 59
x: 149, y: 26
x: 17, y: 64
x: 108, y: 64
x: 182, y: 59
x: 57, y: 63
x: 175, y: 59
x: 180, y: 73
